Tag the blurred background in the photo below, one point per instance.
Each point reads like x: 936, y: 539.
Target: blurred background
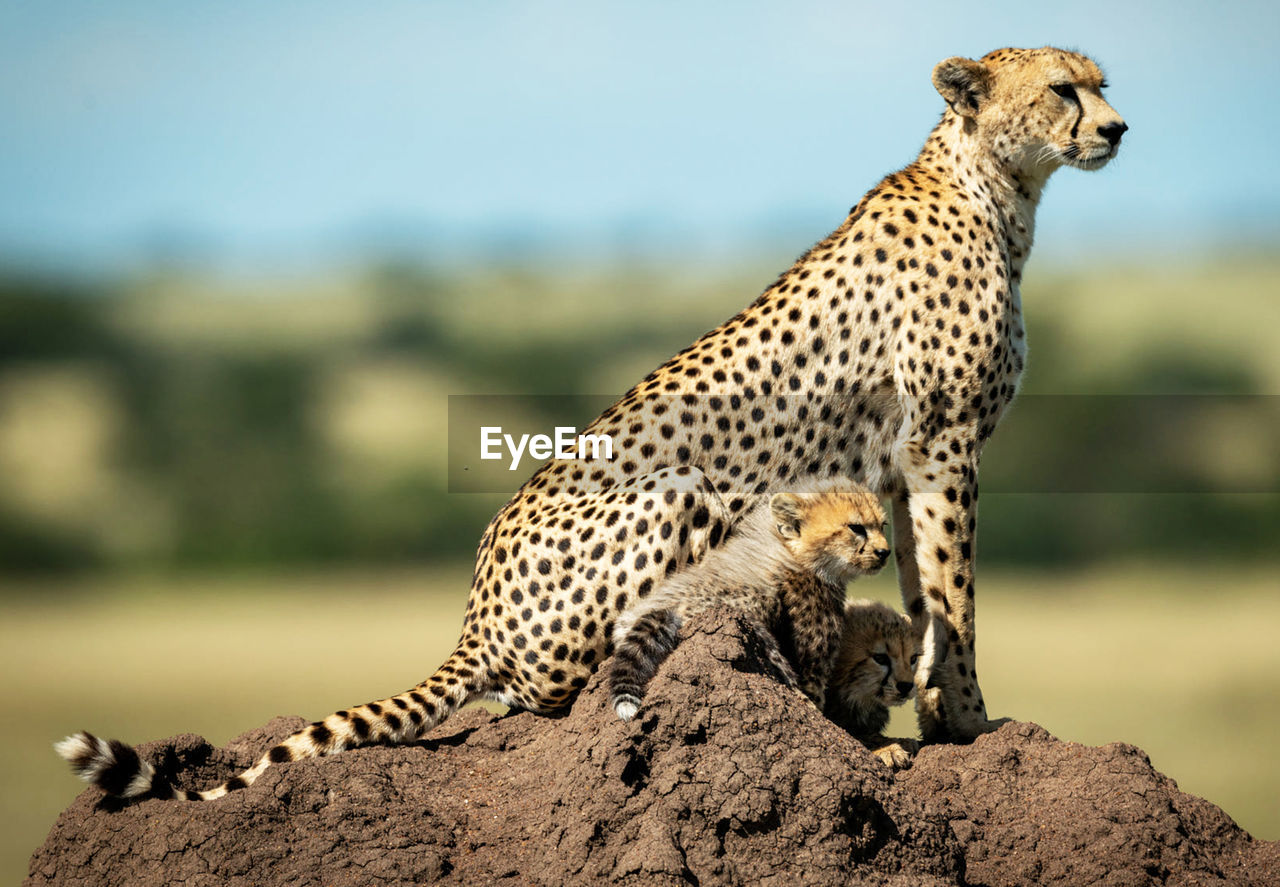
x: 247, y: 251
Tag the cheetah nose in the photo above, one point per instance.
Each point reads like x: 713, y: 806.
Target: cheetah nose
x: 883, y: 554
x: 904, y: 687
x: 1112, y: 131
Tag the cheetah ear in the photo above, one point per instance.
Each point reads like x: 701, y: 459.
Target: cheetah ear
x: 964, y: 83
x: 786, y: 514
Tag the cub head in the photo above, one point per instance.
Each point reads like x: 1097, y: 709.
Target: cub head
x: 1033, y: 109
x: 835, y: 531
x: 878, y: 654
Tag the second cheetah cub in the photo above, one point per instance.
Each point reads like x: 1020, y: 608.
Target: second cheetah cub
x: 875, y: 668
x: 785, y: 567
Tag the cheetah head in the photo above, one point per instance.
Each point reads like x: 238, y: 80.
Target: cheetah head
x: 836, y: 534
x: 1033, y: 109
x: 879, y: 655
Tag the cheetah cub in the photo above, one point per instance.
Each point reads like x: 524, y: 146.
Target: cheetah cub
x: 875, y: 668
x: 785, y: 567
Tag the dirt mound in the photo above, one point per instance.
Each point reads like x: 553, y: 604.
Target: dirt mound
x: 724, y: 777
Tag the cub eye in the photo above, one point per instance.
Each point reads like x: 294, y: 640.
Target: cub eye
x: 1066, y: 90
x: 881, y: 658
x: 858, y: 529
x: 914, y: 657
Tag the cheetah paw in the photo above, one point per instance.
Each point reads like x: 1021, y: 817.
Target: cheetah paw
x: 973, y: 729
x: 897, y: 754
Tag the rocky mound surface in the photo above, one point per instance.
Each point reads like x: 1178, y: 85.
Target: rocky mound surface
x: 725, y: 777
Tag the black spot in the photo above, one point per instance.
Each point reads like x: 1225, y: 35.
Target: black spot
x: 360, y: 726
x: 115, y: 778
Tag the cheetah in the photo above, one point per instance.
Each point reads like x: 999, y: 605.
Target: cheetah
x: 875, y: 668
x: 785, y: 568
x: 887, y: 353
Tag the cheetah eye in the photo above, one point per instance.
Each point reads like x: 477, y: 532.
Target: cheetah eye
x: 858, y: 529
x: 882, y: 659
x: 1066, y: 90
x: 1103, y: 85
x: 914, y: 657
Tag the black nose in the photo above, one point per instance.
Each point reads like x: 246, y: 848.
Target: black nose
x: 904, y: 687
x: 883, y: 554
x: 1112, y: 131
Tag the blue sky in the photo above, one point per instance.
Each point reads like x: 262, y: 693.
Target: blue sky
x: 269, y: 131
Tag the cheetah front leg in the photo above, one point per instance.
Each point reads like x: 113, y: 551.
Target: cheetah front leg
x: 930, y: 627
x: 940, y: 515
x: 815, y: 611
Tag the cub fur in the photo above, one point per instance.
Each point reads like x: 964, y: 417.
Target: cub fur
x: 785, y: 568
x: 875, y: 667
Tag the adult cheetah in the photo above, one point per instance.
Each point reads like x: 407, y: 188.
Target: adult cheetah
x: 887, y: 353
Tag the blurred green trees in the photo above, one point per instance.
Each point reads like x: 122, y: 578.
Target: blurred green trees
x: 170, y: 421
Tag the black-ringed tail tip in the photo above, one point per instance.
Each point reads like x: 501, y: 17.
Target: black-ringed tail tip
x: 626, y: 706
x: 118, y: 770
x: 107, y: 763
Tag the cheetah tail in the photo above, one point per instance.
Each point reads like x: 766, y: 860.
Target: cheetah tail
x: 118, y: 770
x: 638, y: 657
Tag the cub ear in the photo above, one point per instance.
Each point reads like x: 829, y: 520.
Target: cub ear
x: 964, y: 83
x: 786, y: 511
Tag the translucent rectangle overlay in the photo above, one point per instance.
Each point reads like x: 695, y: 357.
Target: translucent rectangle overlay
x: 1043, y: 443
